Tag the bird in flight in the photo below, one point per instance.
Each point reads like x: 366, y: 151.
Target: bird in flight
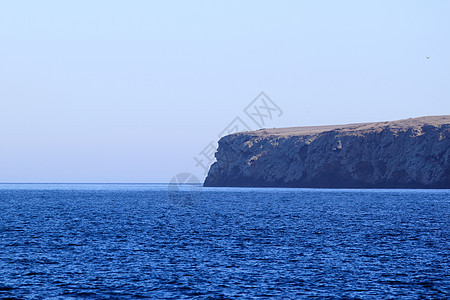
x: 427, y: 57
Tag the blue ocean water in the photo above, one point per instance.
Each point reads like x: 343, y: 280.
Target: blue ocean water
x: 145, y: 241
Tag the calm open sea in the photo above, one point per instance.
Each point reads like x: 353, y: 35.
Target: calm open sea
x: 143, y: 241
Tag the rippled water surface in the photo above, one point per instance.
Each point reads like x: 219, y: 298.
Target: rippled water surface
x: 133, y: 241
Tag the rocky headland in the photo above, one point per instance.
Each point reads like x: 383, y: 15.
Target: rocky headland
x: 410, y: 153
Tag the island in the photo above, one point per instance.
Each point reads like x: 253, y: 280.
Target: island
x: 409, y: 153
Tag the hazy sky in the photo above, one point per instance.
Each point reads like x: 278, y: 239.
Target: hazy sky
x: 131, y: 91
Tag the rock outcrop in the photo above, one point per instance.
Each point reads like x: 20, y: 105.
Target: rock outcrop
x: 410, y: 153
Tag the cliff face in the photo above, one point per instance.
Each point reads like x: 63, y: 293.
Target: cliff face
x: 411, y: 153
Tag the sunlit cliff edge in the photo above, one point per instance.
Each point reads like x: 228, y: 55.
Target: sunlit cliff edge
x: 410, y: 153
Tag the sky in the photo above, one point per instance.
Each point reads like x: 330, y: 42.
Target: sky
x: 132, y: 91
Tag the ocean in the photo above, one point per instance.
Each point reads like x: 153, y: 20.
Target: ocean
x: 138, y: 241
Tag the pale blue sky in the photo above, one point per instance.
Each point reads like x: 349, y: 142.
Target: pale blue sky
x: 131, y: 91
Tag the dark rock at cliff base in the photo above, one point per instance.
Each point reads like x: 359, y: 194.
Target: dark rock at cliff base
x: 410, y: 153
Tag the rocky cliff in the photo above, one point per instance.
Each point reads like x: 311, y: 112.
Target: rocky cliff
x: 410, y: 153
